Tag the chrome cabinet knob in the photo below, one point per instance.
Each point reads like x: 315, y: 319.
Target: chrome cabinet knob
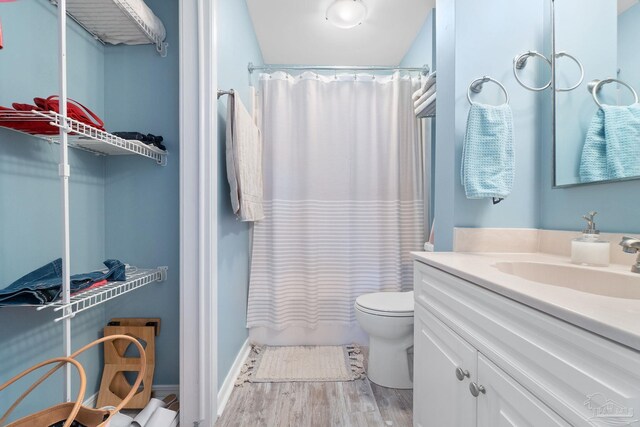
x: 461, y: 374
x: 476, y: 389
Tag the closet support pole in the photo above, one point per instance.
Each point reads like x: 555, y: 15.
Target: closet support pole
x: 63, y: 171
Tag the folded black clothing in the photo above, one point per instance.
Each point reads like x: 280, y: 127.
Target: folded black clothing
x: 159, y: 144
x: 148, y: 139
x: 131, y: 135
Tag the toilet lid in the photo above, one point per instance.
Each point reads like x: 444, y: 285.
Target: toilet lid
x: 387, y: 303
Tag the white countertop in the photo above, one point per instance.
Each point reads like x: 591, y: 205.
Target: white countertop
x: 617, y: 319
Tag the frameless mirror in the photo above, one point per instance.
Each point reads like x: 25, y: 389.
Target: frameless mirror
x: 596, y: 75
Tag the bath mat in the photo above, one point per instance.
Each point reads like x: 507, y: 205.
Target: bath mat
x: 302, y: 364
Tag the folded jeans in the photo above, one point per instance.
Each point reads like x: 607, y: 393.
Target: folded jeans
x: 44, y: 284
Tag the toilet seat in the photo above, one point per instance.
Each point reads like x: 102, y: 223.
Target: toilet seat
x: 388, y: 304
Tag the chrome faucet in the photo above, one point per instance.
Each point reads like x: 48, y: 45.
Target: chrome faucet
x: 631, y: 245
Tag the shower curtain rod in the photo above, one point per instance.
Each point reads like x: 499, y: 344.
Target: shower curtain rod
x: 270, y: 67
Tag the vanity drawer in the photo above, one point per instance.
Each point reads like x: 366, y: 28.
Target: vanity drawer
x: 573, y: 371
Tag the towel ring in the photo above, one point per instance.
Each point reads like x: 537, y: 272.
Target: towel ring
x: 594, y: 87
x: 520, y: 61
x: 577, y: 61
x: 476, y: 87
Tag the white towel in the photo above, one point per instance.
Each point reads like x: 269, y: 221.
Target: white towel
x: 143, y: 417
x: 120, y: 420
x: 429, y: 111
x: 424, y: 96
x: 164, y: 417
x: 430, y: 81
x: 419, y: 92
x: 426, y: 103
x: 244, y: 161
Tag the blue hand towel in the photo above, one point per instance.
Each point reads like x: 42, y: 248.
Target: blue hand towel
x: 622, y: 131
x: 488, y: 156
x: 593, y: 164
x: 612, y: 146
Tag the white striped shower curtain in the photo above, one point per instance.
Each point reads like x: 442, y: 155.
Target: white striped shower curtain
x: 343, y: 197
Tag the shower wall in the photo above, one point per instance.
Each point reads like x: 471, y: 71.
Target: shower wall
x: 237, y: 46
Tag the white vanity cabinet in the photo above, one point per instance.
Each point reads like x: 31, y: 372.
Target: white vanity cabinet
x: 441, y: 394
x: 482, y: 359
x: 442, y: 389
x: 504, y: 402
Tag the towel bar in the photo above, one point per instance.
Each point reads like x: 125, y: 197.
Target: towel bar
x: 594, y: 87
x: 224, y: 92
x: 476, y: 87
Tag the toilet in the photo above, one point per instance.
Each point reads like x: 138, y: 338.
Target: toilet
x: 388, y: 319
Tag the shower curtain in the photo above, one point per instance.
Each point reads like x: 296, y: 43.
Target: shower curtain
x: 343, y: 197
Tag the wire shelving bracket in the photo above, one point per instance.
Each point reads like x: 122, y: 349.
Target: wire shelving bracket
x: 85, y: 137
x: 84, y: 300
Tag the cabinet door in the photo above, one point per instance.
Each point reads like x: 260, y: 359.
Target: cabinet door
x: 439, y: 397
x: 504, y: 402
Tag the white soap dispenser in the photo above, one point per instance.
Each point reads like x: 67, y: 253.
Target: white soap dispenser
x: 589, y: 249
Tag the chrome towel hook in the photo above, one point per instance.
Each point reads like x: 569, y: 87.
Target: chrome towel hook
x: 476, y: 87
x: 577, y: 61
x: 520, y: 62
x: 594, y: 87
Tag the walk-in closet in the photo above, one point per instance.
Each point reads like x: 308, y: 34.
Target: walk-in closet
x: 89, y: 200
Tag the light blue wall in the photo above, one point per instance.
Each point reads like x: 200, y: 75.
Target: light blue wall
x: 421, y: 52
x: 30, y: 213
x: 616, y: 204
x: 471, y: 43
x: 446, y: 183
x: 628, y: 36
x: 562, y: 208
x: 423, y: 47
x: 237, y: 46
x: 597, y: 51
x: 142, y: 198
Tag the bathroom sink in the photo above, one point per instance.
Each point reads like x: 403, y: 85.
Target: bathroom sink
x: 600, y: 282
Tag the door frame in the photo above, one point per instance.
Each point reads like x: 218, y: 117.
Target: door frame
x: 198, y: 213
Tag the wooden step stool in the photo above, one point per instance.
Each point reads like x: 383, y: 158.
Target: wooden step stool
x: 114, y: 385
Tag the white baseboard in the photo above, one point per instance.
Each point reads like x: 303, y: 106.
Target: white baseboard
x: 90, y: 402
x: 229, y: 382
x: 159, y: 391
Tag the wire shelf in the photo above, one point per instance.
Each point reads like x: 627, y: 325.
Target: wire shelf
x: 84, y: 300
x: 161, y: 46
x: 128, y: 14
x: 83, y: 136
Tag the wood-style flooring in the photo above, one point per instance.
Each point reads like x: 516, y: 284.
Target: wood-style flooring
x: 357, y: 403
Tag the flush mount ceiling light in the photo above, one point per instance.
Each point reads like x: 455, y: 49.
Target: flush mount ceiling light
x: 346, y: 13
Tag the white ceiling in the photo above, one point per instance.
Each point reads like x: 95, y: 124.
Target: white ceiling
x: 296, y: 32
x: 623, y: 5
